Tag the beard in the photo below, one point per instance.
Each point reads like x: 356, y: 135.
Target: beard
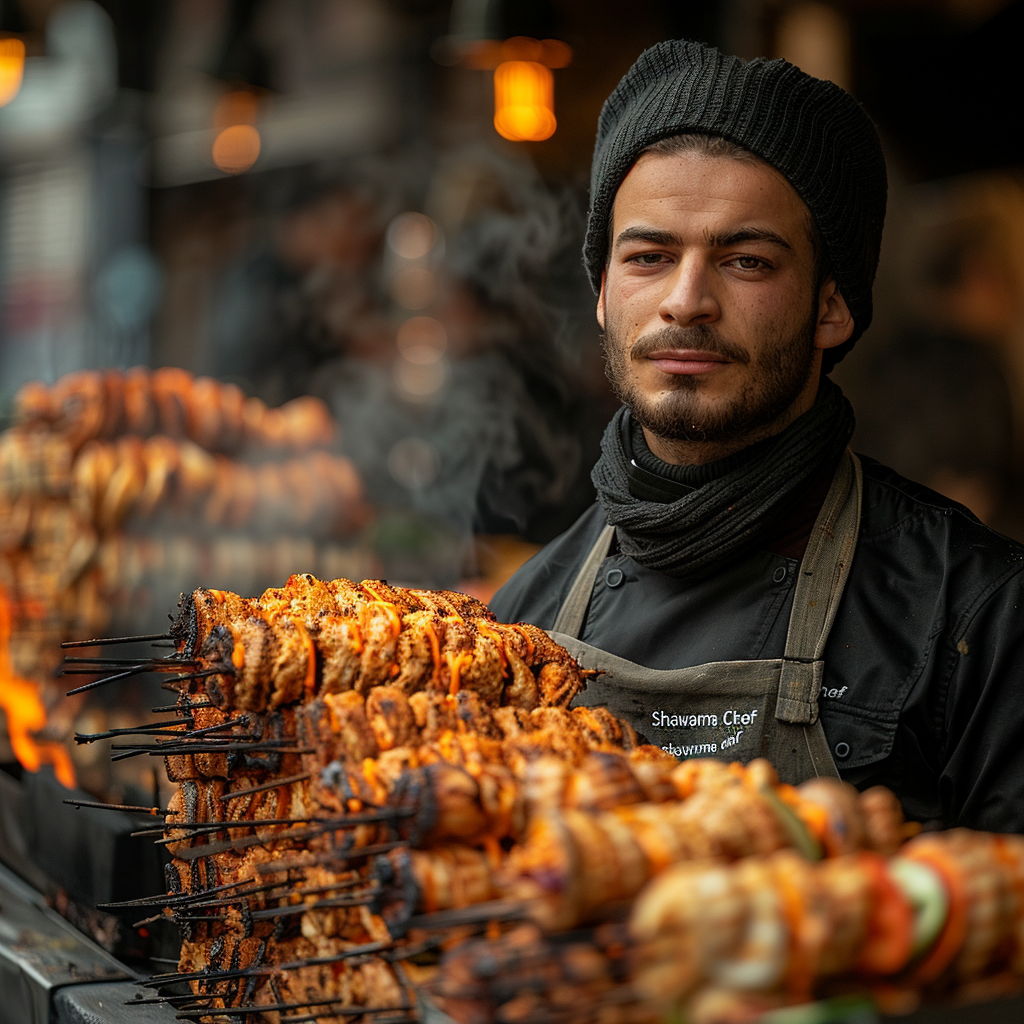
x: 775, y: 377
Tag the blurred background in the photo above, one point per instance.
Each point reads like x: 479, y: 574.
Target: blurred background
x: 380, y: 203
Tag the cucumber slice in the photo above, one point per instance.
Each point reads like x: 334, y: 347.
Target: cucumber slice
x: 802, y: 840
x: 927, y: 895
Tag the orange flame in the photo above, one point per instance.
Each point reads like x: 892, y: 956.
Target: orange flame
x: 25, y: 712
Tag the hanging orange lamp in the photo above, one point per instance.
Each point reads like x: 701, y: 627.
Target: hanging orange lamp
x: 12, y: 68
x: 524, y: 87
x: 236, y: 143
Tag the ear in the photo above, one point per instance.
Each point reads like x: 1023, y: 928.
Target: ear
x: 600, y: 299
x: 835, y: 321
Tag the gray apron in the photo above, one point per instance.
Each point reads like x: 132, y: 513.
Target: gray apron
x: 736, y: 710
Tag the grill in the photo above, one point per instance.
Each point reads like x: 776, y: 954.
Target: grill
x: 52, y: 968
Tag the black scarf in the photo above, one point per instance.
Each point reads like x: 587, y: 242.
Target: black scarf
x: 690, y: 521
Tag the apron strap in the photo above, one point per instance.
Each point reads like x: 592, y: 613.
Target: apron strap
x: 823, y: 573
x: 573, y: 612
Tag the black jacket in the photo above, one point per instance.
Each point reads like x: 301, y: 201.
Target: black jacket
x: 924, y: 668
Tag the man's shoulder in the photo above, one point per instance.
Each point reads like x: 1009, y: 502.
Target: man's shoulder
x: 536, y: 592
x: 930, y: 534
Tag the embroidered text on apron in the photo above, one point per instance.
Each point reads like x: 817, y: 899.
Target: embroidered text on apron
x: 736, y: 710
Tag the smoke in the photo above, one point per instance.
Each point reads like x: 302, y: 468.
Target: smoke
x: 473, y: 425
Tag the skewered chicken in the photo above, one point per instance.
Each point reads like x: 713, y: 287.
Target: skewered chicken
x: 785, y: 924
x: 136, y: 480
x: 99, y: 453
x: 368, y: 774
x: 724, y: 944
x: 92, y: 404
x: 310, y: 638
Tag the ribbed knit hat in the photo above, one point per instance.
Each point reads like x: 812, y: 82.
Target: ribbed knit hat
x: 811, y: 131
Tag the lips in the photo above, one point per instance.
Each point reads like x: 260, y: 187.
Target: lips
x: 687, y: 361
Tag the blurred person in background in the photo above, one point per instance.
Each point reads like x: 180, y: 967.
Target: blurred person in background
x: 745, y: 585
x: 940, y: 410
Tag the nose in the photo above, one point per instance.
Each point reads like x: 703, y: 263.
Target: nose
x: 690, y: 298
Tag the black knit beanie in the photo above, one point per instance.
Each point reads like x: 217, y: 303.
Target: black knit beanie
x: 811, y: 131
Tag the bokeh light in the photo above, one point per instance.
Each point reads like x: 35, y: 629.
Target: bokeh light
x: 12, y: 68
x: 236, y: 149
x: 412, y: 236
x: 524, y: 101
x: 237, y: 144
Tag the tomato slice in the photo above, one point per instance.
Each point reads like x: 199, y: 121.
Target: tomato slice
x: 954, y: 932
x: 889, y: 936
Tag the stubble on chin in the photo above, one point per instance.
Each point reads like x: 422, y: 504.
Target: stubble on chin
x: 773, y: 379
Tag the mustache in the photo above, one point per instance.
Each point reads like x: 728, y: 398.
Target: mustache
x: 702, y: 337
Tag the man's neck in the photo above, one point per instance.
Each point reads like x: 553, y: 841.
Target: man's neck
x: 678, y: 452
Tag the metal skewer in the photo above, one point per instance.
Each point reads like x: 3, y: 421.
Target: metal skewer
x: 131, y: 808
x: 104, y: 641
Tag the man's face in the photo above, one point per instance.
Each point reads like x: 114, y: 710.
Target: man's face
x: 709, y: 302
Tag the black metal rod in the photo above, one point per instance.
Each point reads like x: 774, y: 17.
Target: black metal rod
x: 274, y: 784
x: 166, y: 749
x: 96, y: 670
x: 132, y: 808
x: 163, y: 729
x: 153, y: 729
x: 103, y: 682
x: 200, y: 675
x: 240, y: 896
x: 69, y: 660
x: 168, y: 899
x: 103, y: 641
x: 351, y: 821
x: 159, y: 980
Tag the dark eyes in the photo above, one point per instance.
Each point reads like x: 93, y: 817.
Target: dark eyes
x: 647, y: 259
x: 748, y: 262
x: 655, y: 259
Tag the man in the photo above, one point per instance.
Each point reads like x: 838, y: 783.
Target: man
x: 745, y: 584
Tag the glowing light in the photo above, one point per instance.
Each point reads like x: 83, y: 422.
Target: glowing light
x: 236, y: 148
x: 237, y: 144
x: 25, y: 713
x: 524, y: 101
x: 12, y: 68
x: 412, y: 235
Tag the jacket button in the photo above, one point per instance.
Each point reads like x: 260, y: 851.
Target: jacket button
x: 780, y: 574
x: 842, y: 751
x: 613, y: 577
